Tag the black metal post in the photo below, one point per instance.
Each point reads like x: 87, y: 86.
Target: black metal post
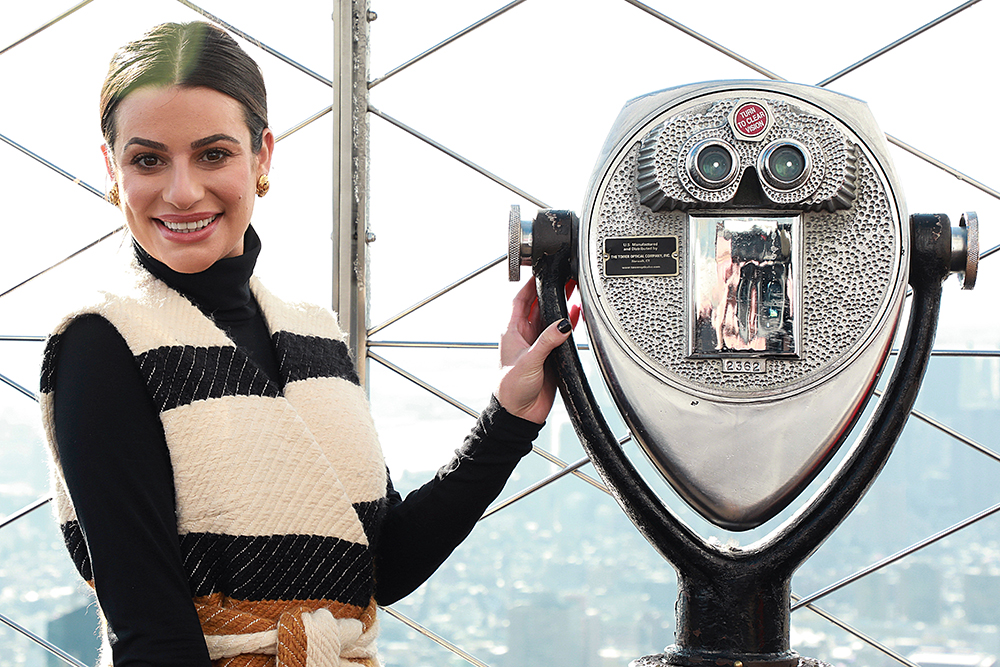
x: 733, y: 606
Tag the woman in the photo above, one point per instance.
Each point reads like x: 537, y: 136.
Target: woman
x: 211, y: 442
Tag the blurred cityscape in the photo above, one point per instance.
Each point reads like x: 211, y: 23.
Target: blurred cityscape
x: 563, y: 579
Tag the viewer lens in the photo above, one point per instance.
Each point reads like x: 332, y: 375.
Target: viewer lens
x: 785, y: 164
x: 712, y: 164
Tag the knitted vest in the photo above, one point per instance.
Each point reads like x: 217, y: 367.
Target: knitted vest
x: 279, y: 490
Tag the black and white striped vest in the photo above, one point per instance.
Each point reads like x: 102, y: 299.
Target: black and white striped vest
x: 280, y: 490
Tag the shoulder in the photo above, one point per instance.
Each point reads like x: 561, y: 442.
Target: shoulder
x: 83, y: 334
x: 147, y: 313
x: 303, y: 319
x: 89, y: 345
x: 90, y: 329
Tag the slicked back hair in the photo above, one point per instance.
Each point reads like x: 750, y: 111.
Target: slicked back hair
x: 191, y: 55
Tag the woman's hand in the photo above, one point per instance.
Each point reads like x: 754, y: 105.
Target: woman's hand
x: 526, y: 389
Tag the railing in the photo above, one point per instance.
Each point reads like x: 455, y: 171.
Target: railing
x: 426, y: 226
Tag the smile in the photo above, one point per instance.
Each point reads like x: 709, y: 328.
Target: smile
x: 187, y: 227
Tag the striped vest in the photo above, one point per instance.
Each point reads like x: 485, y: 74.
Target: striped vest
x: 280, y: 490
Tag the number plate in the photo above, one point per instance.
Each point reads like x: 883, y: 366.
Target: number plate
x: 744, y: 365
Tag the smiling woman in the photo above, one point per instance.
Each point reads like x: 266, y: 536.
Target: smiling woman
x: 218, y: 478
x: 184, y: 117
x: 186, y: 175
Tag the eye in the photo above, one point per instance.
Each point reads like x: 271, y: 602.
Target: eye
x: 215, y: 155
x: 146, y: 161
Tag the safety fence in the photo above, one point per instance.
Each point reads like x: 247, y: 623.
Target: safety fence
x: 527, y: 88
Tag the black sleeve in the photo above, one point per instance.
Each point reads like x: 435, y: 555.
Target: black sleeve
x: 117, y: 467
x: 420, y: 532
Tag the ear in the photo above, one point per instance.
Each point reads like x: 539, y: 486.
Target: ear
x: 108, y: 161
x: 266, y: 150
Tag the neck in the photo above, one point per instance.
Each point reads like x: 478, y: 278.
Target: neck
x: 222, y: 290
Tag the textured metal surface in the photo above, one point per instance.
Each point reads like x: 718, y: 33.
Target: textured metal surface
x: 665, y: 661
x: 514, y: 244
x: 968, y: 251
x: 662, y: 185
x: 718, y: 430
x: 851, y: 265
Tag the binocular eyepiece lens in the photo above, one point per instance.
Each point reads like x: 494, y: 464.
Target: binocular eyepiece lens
x: 713, y: 164
x: 785, y: 164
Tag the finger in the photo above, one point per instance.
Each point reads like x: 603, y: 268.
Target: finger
x: 525, y: 298
x: 523, y: 307
x: 552, y: 337
x: 535, y: 320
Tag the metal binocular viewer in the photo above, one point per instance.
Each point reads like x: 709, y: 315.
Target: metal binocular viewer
x: 743, y: 257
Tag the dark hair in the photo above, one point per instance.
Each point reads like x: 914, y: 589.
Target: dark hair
x: 190, y: 55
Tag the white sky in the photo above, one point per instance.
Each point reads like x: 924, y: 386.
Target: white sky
x: 529, y: 97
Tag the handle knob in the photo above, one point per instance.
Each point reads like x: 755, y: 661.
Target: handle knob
x: 965, y: 249
x: 518, y: 244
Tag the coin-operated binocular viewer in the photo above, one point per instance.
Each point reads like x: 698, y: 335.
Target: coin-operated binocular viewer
x: 743, y: 257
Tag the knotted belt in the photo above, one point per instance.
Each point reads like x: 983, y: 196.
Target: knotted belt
x: 298, y: 637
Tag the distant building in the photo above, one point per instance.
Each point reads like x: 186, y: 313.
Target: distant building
x: 982, y: 592
x: 919, y: 593
x: 550, y: 632
x: 75, y: 633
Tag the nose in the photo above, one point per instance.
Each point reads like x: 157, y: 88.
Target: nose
x: 183, y: 189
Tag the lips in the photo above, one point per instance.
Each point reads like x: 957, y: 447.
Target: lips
x: 187, y: 227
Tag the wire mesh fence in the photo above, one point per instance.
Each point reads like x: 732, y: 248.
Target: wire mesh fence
x: 475, y: 106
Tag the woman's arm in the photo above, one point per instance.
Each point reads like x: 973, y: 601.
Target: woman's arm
x: 117, y: 468
x: 420, y: 532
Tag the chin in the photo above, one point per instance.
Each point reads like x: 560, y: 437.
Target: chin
x: 189, y: 262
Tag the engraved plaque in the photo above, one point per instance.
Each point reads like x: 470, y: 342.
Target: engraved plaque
x: 640, y: 256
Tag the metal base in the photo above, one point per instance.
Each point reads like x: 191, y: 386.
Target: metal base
x: 665, y: 660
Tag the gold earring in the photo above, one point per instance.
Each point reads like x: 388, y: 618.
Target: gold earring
x: 113, y: 196
x: 263, y: 185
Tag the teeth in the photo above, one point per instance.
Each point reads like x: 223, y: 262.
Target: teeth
x: 185, y: 227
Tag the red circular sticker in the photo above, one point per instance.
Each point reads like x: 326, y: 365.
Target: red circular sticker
x: 750, y: 119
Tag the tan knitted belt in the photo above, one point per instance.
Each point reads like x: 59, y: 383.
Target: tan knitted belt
x: 298, y: 637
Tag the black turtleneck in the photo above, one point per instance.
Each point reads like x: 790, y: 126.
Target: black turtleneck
x: 114, y: 456
x: 222, y: 292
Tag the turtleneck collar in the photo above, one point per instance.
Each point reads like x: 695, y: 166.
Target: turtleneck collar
x: 221, y: 291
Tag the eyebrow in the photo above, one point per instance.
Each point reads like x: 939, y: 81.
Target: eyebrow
x: 212, y: 139
x: 156, y: 145
x: 136, y: 141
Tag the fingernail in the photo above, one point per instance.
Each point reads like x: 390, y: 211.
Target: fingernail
x: 564, y: 326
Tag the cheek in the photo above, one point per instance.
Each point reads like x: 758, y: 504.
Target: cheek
x: 237, y: 190
x: 239, y: 198
x: 136, y: 194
